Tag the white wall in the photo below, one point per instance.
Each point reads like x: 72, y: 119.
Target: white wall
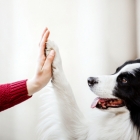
x: 94, y: 38
x: 138, y: 26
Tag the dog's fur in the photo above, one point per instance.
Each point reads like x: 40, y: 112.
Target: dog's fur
x: 61, y: 118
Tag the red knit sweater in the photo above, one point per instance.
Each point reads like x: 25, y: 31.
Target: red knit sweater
x: 12, y: 94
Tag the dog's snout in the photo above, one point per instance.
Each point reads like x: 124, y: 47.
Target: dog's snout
x: 92, y: 81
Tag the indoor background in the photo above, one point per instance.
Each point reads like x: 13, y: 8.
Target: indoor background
x: 94, y: 38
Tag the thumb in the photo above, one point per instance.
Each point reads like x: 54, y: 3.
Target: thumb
x: 51, y: 56
x: 49, y: 59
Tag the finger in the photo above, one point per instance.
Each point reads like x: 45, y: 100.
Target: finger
x: 44, y: 31
x: 43, y: 43
x: 43, y: 34
x: 49, y: 60
x: 45, y: 37
x: 41, y: 62
x: 42, y: 53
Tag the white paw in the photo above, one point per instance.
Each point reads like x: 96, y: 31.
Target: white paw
x: 57, y: 64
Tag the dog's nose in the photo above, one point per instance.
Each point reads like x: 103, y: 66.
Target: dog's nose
x: 92, y: 81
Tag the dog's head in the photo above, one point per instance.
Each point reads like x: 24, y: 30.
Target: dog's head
x: 120, y: 90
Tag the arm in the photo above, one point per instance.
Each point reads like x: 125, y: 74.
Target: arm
x: 14, y: 93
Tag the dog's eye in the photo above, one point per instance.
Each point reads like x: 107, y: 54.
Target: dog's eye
x: 124, y: 80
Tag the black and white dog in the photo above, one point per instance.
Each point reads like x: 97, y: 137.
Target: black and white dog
x: 118, y: 106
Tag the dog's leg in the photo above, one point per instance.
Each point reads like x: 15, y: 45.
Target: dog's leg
x: 72, y: 120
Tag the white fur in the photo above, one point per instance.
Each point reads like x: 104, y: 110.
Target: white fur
x: 61, y: 118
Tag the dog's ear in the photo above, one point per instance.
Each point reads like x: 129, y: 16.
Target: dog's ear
x: 137, y: 59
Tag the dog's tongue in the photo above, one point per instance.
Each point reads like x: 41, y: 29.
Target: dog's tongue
x: 93, y: 105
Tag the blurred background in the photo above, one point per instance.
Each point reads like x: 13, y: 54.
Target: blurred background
x: 94, y: 38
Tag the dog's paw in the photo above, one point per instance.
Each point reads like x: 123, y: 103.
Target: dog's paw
x: 57, y: 63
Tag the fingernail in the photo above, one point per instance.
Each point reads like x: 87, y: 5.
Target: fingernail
x: 52, y: 52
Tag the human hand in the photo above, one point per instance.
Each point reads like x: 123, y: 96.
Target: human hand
x: 44, y: 70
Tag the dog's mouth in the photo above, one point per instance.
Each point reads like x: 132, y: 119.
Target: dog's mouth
x: 105, y: 103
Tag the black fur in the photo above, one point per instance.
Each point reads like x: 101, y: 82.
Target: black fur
x: 126, y: 63
x: 129, y: 92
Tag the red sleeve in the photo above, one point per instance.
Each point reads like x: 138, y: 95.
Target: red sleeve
x: 12, y: 94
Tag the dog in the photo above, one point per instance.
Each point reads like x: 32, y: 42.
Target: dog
x: 116, y: 110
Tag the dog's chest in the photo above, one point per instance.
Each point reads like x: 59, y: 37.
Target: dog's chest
x: 111, y: 127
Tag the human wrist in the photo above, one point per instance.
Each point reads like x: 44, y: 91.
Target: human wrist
x: 33, y: 86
